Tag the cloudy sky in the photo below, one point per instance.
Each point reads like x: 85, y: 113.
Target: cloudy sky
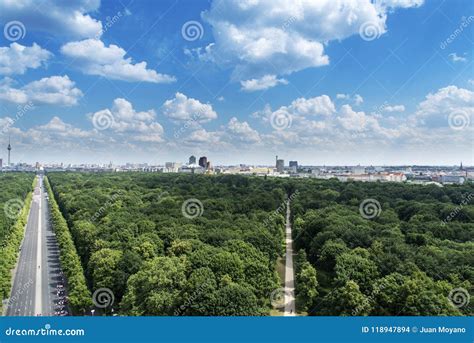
x: 335, y: 82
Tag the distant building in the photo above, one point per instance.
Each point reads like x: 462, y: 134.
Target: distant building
x: 192, y: 169
x: 280, y: 165
x: 203, y: 162
x: 1, y: 163
x: 192, y: 159
x: 172, y: 167
x: 293, y: 164
x: 358, y: 170
x: 456, y: 179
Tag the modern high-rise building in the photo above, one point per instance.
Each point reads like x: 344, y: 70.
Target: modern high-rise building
x: 203, y: 162
x: 1, y: 163
x: 293, y: 164
x: 280, y: 165
x: 192, y: 159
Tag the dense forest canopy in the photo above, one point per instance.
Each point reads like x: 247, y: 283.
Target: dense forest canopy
x: 136, y: 236
x: 410, y: 254
x: 13, y: 190
x: 15, y: 200
x: 170, y: 244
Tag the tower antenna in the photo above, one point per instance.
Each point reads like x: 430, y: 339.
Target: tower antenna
x: 9, y: 150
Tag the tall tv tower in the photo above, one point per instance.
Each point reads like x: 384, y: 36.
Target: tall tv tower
x: 9, y: 150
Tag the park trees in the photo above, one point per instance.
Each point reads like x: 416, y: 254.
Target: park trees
x: 419, y: 242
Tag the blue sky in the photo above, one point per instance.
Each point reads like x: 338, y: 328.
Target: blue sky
x: 321, y: 82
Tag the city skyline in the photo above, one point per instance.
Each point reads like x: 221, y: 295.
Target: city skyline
x: 193, y: 159
x: 99, y: 81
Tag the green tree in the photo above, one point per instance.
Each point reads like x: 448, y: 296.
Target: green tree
x: 234, y: 300
x: 156, y: 288
x: 356, y: 266
x: 306, y: 286
x: 348, y: 300
x: 104, y: 268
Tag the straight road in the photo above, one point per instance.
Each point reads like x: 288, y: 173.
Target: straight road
x: 38, y: 272
x: 289, y: 271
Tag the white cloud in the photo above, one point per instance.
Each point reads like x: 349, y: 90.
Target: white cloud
x: 265, y: 82
x: 317, y: 122
x: 357, y: 98
x: 182, y: 108
x: 242, y: 132
x: 317, y: 106
x: 54, y: 137
x: 57, y: 127
x: 54, y: 90
x: 439, y: 105
x: 355, y: 121
x: 343, y: 96
x: 261, y: 36
x: 229, y: 138
x: 125, y: 121
x: 400, y: 3
x: 17, y: 58
x: 68, y: 18
x: 455, y: 58
x: 203, y: 137
x: 393, y: 108
x: 94, y: 58
x: 10, y: 94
